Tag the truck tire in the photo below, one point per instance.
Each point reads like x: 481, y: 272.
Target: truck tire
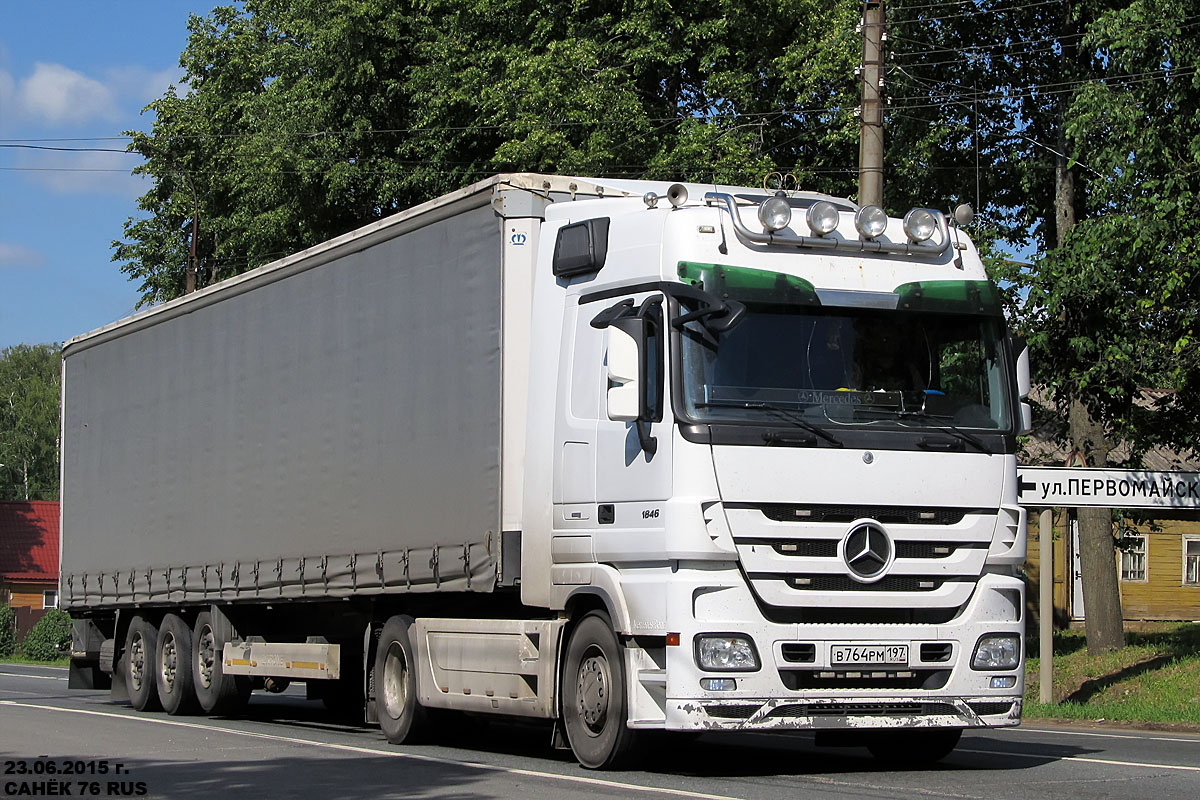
x: 594, y: 713
x: 141, y: 643
x: 173, y: 667
x: 402, y: 718
x: 912, y: 747
x: 217, y: 693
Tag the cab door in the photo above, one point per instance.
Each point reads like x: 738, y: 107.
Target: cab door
x: 632, y: 466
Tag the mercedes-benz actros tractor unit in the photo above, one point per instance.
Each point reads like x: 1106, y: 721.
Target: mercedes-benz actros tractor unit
x: 621, y: 455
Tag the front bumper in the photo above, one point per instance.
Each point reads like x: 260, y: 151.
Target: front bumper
x: 816, y: 695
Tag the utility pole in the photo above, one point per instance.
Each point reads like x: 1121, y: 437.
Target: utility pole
x: 870, y: 136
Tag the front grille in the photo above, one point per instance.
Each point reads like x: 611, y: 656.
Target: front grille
x: 863, y: 710
x: 936, y: 652
x: 859, y: 616
x: 844, y: 583
x: 799, y: 652
x: 991, y: 709
x: 906, y: 515
x: 731, y: 712
x: 928, y: 679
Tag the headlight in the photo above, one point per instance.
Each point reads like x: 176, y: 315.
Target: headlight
x: 871, y: 221
x: 919, y: 224
x: 726, y: 652
x: 822, y: 217
x: 775, y: 214
x: 997, y: 651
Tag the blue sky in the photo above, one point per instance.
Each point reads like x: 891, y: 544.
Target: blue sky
x: 73, y: 69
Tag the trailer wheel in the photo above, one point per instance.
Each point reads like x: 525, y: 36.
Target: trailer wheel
x: 173, y: 667
x: 593, y: 696
x: 141, y: 642
x: 218, y: 694
x: 912, y: 747
x: 402, y: 718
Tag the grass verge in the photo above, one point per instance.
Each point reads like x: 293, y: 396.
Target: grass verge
x: 1154, y: 679
x: 58, y: 662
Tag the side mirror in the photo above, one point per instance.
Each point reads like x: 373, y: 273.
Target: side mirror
x: 625, y: 340
x: 1021, y: 358
x: 1026, y: 419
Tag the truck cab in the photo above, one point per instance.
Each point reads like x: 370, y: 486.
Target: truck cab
x: 784, y: 442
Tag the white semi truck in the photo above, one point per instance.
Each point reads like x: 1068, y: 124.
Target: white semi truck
x: 623, y: 455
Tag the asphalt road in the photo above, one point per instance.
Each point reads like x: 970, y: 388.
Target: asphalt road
x: 288, y: 748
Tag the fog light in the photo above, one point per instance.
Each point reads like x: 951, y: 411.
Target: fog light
x: 1004, y: 681
x: 997, y: 651
x: 726, y: 652
x: 718, y: 684
x: 775, y: 214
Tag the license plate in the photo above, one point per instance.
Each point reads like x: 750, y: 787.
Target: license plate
x: 865, y: 655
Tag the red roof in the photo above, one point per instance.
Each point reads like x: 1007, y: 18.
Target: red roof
x: 29, y: 540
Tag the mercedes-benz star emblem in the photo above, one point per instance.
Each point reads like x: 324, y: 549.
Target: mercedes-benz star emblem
x: 867, y: 550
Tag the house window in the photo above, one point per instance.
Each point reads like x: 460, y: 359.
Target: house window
x: 1133, y: 558
x: 50, y: 598
x: 1191, y: 560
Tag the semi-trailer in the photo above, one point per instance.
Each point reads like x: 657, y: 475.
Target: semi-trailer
x: 620, y: 455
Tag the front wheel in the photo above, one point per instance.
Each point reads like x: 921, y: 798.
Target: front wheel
x: 593, y: 696
x: 913, y: 748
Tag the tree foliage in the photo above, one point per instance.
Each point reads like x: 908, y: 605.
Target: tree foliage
x: 8, y: 631
x: 303, y: 120
x: 29, y: 414
x: 50, y: 637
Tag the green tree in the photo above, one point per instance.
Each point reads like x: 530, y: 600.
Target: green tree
x: 303, y: 120
x: 29, y: 429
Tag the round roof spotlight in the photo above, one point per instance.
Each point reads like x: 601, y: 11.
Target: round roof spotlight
x: 775, y: 214
x: 919, y: 225
x: 871, y: 221
x: 650, y: 199
x: 964, y: 214
x: 822, y: 217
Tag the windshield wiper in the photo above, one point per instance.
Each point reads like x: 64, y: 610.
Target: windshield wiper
x: 788, y: 414
x: 940, y: 424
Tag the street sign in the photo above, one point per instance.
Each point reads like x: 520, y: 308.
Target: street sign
x: 1055, y: 487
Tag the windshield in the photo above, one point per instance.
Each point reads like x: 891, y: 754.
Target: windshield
x: 798, y: 364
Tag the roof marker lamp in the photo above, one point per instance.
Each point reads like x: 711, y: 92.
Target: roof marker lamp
x: 871, y: 221
x: 919, y: 225
x: 775, y: 214
x: 822, y: 217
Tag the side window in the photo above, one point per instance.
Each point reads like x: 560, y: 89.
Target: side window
x: 655, y: 361
x: 1191, y: 560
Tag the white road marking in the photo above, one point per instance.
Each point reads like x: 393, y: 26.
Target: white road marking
x: 617, y: 785
x: 1086, y: 759
x: 1056, y: 732
x: 35, y: 677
